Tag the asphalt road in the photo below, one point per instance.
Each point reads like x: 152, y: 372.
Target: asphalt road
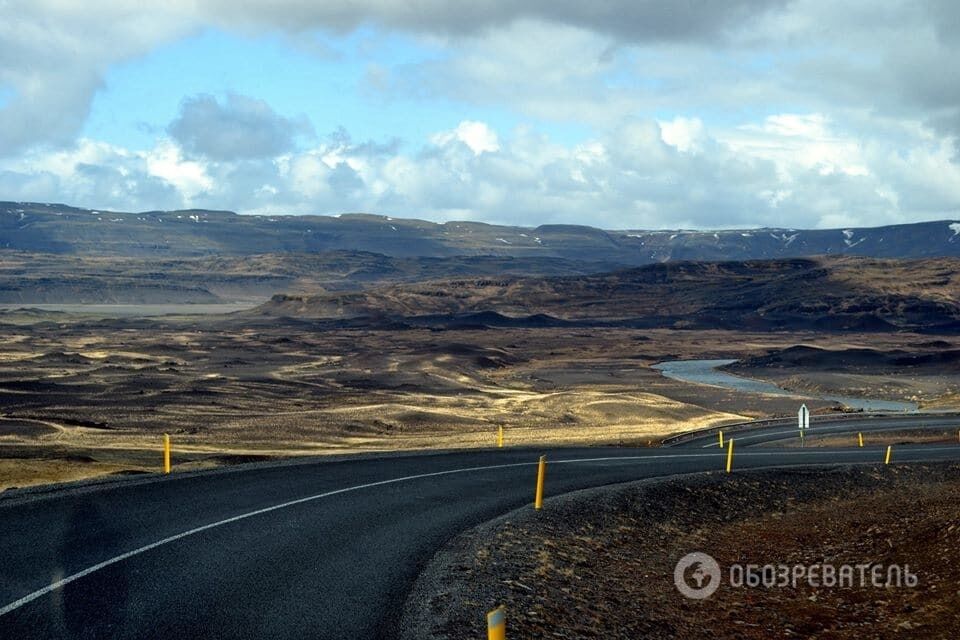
x: 786, y: 430
x: 322, y: 549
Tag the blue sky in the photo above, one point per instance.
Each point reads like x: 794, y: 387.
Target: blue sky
x: 327, y: 86
x: 325, y: 78
x: 634, y: 114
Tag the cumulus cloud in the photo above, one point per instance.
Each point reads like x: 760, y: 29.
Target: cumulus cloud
x: 91, y: 174
x: 54, y: 55
x: 477, y: 136
x: 240, y: 127
x: 897, y: 59
x: 561, y: 59
x: 792, y: 170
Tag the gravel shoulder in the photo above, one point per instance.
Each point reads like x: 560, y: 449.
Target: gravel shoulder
x: 599, y: 563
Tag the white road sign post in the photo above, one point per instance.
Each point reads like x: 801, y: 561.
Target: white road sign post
x: 803, y: 421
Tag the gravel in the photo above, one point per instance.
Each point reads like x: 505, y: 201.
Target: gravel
x: 599, y: 563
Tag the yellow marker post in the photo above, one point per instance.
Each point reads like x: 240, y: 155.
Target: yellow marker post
x: 497, y: 624
x: 721, y: 438
x: 889, y: 451
x: 860, y: 439
x: 166, y: 453
x: 730, y: 455
x: 500, y: 436
x: 541, y: 475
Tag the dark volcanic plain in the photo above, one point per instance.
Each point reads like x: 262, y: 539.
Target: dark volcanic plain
x: 83, y: 397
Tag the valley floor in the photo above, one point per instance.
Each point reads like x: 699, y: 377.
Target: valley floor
x: 82, y: 397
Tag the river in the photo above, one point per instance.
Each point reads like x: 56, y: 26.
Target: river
x: 706, y: 372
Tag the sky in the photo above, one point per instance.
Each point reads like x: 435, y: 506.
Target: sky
x: 622, y: 114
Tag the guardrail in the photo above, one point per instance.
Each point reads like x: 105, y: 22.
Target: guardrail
x: 738, y: 427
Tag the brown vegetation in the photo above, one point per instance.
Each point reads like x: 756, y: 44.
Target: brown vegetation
x: 600, y: 564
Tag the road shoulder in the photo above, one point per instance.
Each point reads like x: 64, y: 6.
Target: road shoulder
x: 599, y: 563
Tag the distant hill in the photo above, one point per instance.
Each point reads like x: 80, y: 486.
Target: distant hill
x: 60, y: 229
x: 878, y: 362
x: 842, y: 293
x: 44, y: 278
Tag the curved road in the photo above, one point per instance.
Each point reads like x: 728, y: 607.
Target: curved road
x: 320, y: 549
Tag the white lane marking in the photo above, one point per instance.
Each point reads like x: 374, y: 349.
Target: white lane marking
x: 16, y: 604
x: 30, y: 597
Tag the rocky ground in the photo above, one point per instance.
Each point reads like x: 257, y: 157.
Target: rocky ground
x: 599, y: 564
x: 83, y: 396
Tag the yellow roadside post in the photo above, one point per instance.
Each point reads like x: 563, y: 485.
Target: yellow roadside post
x: 721, y: 438
x: 500, y: 436
x: 730, y: 455
x: 860, y: 439
x: 166, y: 453
x: 541, y: 474
x: 497, y: 624
x: 889, y: 451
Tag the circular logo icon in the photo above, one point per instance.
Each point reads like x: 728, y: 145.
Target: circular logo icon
x: 697, y: 576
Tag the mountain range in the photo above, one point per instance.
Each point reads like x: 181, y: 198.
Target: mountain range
x: 61, y: 229
x: 360, y: 269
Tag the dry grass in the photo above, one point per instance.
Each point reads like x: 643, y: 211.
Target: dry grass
x: 22, y: 473
x: 271, y: 391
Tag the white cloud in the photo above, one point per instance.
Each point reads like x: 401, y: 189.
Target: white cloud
x: 686, y: 134
x: 799, y: 140
x: 54, y: 55
x: 307, y: 174
x: 90, y: 173
x: 476, y: 135
x: 639, y: 174
x: 187, y: 176
x: 240, y: 127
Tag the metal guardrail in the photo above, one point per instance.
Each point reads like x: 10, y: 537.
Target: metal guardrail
x: 737, y: 427
x: 734, y: 427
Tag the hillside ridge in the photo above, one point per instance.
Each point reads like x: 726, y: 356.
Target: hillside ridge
x: 62, y: 229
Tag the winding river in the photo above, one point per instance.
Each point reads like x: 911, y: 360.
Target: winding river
x: 706, y: 372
